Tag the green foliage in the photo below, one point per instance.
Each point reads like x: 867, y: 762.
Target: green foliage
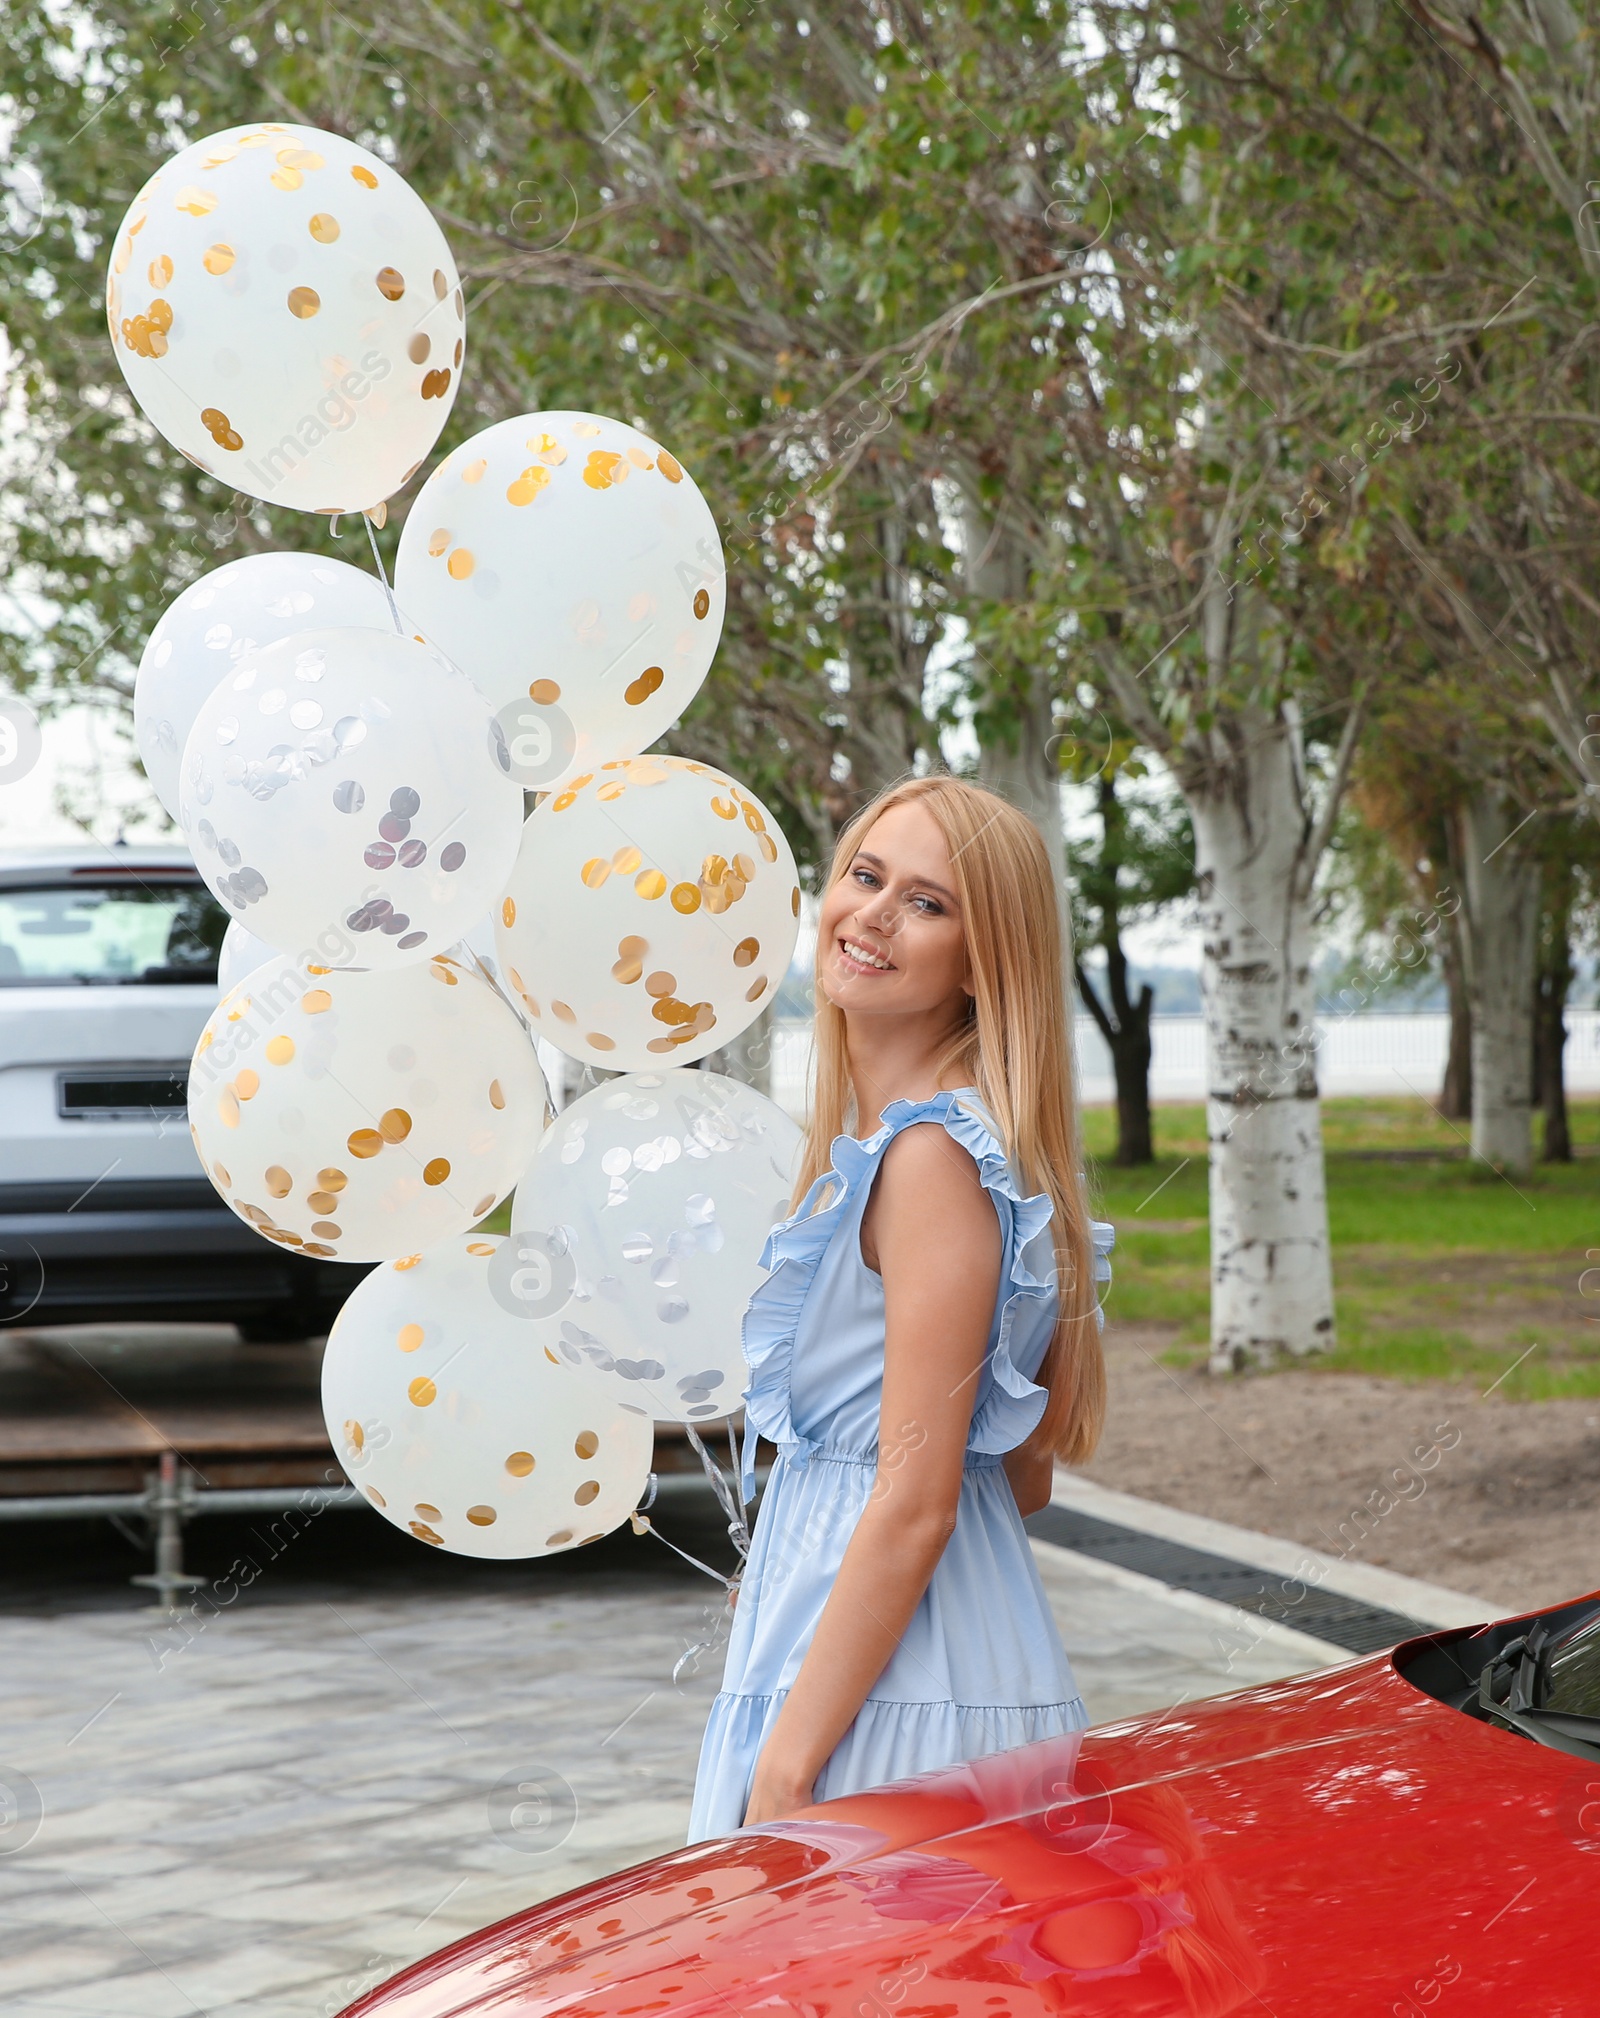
x: 1141, y: 861
x: 851, y: 264
x: 1396, y: 940
x: 1428, y: 1353
x: 1408, y: 271
x: 1137, y: 319
x: 1443, y: 1269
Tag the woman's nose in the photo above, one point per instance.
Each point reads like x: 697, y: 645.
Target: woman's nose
x: 882, y: 913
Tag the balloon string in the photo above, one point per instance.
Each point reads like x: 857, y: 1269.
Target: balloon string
x: 377, y: 557
x: 488, y: 974
x: 690, y: 1657
x: 644, y: 1525
x: 732, y: 1506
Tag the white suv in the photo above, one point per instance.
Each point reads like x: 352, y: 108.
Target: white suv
x: 108, y: 970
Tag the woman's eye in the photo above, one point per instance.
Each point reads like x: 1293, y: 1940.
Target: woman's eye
x: 866, y: 876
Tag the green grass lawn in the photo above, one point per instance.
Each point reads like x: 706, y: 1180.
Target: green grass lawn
x: 1442, y: 1269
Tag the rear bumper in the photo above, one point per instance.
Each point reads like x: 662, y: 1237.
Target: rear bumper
x: 75, y: 1255
x: 90, y: 1235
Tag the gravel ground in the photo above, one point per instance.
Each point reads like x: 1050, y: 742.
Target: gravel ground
x: 1510, y: 1510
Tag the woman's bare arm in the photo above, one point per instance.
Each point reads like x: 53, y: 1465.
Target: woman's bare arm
x: 937, y: 1242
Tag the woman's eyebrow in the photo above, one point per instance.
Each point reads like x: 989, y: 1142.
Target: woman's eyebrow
x: 926, y: 882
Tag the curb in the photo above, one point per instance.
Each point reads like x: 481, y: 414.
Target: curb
x: 1387, y: 1590
x: 1387, y: 1595
x: 1231, y: 1627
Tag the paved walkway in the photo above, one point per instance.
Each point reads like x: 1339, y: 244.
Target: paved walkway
x: 265, y: 1818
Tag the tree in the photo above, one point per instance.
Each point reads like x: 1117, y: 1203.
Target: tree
x: 1408, y: 796
x: 1502, y: 883
x: 816, y: 697
x: 1143, y: 862
x: 1539, y: 66
x: 980, y: 328
x: 1553, y: 977
x: 1220, y: 663
x: 768, y: 231
x: 1445, y: 415
x: 1569, y: 873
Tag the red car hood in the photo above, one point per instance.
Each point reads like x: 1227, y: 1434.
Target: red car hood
x: 1338, y: 1843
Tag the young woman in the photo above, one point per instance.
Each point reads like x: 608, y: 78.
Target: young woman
x: 927, y: 1343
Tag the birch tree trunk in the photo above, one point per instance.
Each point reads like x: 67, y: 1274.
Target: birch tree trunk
x: 1255, y: 858
x: 1501, y: 921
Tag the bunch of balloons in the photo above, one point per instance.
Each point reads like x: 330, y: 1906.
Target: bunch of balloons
x: 349, y: 763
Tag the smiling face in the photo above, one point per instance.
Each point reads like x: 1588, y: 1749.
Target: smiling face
x: 891, y: 937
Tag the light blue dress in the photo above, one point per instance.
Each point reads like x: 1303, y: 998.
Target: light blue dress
x: 980, y: 1667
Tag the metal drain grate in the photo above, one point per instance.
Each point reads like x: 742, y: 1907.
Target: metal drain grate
x: 1327, y: 1615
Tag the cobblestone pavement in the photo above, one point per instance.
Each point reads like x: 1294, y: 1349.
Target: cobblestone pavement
x: 268, y: 1815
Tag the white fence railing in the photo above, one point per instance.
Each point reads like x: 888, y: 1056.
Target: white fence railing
x: 1367, y: 1054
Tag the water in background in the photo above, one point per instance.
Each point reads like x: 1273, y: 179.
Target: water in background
x: 1368, y: 1054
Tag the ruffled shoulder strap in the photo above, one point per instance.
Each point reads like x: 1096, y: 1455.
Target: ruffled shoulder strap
x: 1009, y: 1402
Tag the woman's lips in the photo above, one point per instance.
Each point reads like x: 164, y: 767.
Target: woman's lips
x: 868, y: 965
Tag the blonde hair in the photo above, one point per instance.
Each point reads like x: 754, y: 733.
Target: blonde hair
x: 1014, y: 1050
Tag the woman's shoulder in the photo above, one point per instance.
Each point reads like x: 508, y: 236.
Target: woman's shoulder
x: 926, y: 1169
x: 957, y: 1110
x: 946, y: 1138
x: 930, y: 1150
x: 948, y: 1149
x: 963, y: 1124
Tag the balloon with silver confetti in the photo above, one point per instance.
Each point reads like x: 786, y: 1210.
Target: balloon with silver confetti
x: 203, y: 634
x: 345, y: 797
x: 637, y: 1231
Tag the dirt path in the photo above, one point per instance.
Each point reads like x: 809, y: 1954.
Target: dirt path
x: 1510, y: 1511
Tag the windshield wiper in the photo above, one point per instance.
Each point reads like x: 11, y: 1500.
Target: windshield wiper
x: 1513, y: 1691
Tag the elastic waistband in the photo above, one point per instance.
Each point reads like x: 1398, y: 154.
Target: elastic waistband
x: 801, y: 1452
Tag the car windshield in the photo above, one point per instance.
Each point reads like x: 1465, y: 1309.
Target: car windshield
x: 113, y: 932
x: 1574, y: 1671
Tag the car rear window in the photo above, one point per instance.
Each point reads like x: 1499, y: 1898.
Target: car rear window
x: 149, y: 930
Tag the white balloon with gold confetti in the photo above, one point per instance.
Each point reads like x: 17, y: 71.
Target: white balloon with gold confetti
x: 651, y: 913
x: 361, y: 1116
x: 450, y: 1417
x: 287, y: 312
x: 346, y: 797
x: 571, y: 565
x: 643, y: 1216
